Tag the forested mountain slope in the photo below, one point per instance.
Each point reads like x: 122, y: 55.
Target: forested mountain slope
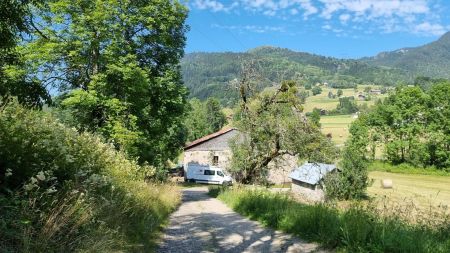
x: 432, y: 60
x: 208, y: 74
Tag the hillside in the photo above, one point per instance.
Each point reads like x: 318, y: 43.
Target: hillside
x: 208, y: 74
x: 432, y: 60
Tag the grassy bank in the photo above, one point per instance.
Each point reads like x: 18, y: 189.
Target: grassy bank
x: 357, y: 229
x: 62, y: 191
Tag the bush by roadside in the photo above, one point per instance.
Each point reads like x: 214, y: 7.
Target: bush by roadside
x: 61, y: 191
x: 356, y: 229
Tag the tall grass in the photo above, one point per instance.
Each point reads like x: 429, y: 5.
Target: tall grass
x: 356, y: 229
x: 62, y: 191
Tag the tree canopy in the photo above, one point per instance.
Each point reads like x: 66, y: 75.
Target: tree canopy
x: 273, y: 125
x: 413, y: 126
x: 204, y: 118
x: 115, y: 65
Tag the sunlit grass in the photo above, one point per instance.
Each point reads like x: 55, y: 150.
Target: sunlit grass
x: 358, y: 228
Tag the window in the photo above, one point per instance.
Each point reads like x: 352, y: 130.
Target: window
x: 210, y: 172
x: 215, y: 160
x: 220, y: 173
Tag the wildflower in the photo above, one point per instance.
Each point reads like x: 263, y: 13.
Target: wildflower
x: 8, y: 173
x: 51, y: 190
x: 41, y: 176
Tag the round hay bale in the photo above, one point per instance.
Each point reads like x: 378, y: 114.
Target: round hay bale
x: 386, y: 183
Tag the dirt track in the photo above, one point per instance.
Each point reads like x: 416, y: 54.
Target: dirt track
x: 205, y: 224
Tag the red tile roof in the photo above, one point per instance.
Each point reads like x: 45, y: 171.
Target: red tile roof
x: 208, y: 137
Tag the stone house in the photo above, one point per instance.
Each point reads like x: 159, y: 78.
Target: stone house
x: 214, y: 150
x: 307, y: 181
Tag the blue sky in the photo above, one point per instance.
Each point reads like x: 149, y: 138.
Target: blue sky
x: 338, y: 28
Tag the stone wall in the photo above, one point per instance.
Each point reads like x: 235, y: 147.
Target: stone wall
x: 280, y: 169
x: 307, y: 192
x: 205, y: 157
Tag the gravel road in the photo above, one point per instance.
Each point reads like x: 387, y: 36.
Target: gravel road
x: 205, y: 224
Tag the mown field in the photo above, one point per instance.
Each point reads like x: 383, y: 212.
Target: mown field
x: 337, y: 126
x: 417, y: 191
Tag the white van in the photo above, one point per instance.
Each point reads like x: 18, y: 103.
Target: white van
x: 206, y: 174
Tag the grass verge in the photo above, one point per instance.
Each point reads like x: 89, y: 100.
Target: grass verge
x: 356, y: 229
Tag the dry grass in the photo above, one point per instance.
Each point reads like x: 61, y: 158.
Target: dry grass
x: 422, y: 191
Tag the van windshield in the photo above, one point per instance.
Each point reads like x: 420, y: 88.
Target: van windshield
x: 220, y: 173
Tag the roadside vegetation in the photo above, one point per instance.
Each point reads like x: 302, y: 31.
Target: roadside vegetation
x: 92, y: 110
x: 62, y: 191
x: 359, y: 228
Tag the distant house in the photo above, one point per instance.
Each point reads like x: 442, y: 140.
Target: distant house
x: 307, y: 180
x: 214, y: 149
x: 361, y: 97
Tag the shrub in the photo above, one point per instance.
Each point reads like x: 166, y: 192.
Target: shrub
x: 61, y: 191
x: 352, y: 180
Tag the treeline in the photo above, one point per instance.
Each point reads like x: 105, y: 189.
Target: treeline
x: 209, y: 74
x: 204, y: 118
x: 412, y: 126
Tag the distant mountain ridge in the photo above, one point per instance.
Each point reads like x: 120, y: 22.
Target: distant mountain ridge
x: 432, y: 60
x: 208, y: 74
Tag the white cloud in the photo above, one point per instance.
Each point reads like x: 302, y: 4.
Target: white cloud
x: 209, y: 5
x: 375, y: 8
x: 386, y: 16
x: 251, y: 28
x: 431, y: 29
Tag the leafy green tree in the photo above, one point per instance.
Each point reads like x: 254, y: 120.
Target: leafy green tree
x: 118, y: 62
x: 352, y: 180
x: 203, y: 118
x: 347, y: 105
x: 214, y: 114
x: 316, y: 90
x: 315, y: 117
x: 273, y: 126
x: 15, y: 19
x: 303, y: 95
x: 412, y: 125
x: 308, y: 86
x: 339, y: 92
